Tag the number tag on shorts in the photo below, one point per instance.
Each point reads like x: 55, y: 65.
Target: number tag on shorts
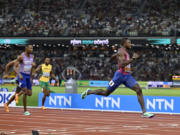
x: 111, y: 83
x: 20, y: 84
x: 45, y: 74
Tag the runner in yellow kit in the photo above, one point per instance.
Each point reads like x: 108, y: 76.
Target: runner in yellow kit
x: 46, y: 69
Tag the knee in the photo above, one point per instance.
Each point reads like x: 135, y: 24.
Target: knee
x: 29, y: 93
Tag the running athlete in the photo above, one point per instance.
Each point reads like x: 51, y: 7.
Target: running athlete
x: 46, y: 70
x: 23, y: 68
x: 122, y: 76
x: 18, y: 89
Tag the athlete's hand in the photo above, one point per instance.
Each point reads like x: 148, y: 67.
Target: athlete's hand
x: 135, y: 56
x: 20, y: 76
x: 5, y: 76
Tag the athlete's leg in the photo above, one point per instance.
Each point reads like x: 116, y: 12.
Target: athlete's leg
x: 10, y: 100
x: 18, y: 89
x: 139, y: 93
x: 28, y: 92
x: 131, y: 83
x: 7, y: 104
x: 113, y: 84
x: 19, y: 92
x: 24, y: 98
x: 99, y: 92
x: 46, y: 93
x: 13, y: 97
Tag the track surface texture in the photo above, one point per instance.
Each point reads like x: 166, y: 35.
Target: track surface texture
x: 71, y: 122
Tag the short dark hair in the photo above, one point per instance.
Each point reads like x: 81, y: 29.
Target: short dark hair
x: 28, y: 45
x: 47, y: 58
x: 124, y: 40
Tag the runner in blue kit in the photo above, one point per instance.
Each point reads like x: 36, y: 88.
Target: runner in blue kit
x: 122, y: 76
x: 23, y: 68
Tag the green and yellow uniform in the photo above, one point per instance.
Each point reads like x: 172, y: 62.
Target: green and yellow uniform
x: 44, y: 79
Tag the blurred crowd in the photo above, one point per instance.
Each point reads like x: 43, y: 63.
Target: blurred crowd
x: 68, y: 18
x: 89, y: 18
x: 94, y: 63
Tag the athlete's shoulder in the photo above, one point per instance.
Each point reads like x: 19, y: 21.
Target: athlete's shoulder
x: 13, y: 61
x: 120, y: 52
x: 20, y: 57
x: 50, y: 66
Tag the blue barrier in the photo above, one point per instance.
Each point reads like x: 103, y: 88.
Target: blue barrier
x: 1, y: 81
x: 112, y: 103
x: 4, y: 98
x: 98, y: 83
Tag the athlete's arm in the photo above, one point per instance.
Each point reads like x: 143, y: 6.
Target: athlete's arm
x: 32, y: 73
x: 53, y: 76
x: 37, y: 70
x: 113, y: 57
x: 16, y: 66
x: 7, y: 68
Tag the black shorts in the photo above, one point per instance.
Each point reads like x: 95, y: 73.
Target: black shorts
x: 18, y: 88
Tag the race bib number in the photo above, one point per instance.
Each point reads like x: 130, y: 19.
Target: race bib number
x: 111, y: 83
x: 45, y: 74
x: 27, y: 68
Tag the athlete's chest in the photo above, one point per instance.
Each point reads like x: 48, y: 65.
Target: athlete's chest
x: 126, y: 56
x: 46, y: 68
